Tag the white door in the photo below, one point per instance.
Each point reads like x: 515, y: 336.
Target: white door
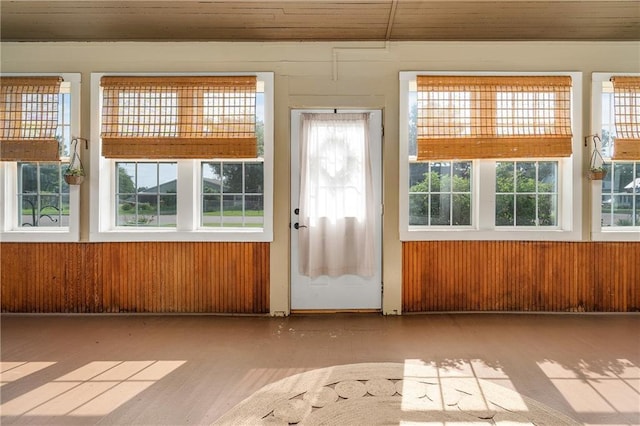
x: 336, y: 209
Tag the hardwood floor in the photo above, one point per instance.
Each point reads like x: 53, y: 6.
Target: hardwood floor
x: 179, y: 370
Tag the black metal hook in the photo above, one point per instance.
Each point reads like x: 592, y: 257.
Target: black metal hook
x: 76, y: 139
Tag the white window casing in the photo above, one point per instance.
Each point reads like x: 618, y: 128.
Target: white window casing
x: 598, y: 231
x: 103, y: 181
x: 569, y: 183
x: 10, y: 226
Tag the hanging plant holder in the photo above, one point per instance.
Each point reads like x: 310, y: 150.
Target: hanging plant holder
x: 74, y: 173
x: 596, y: 165
x: 73, y: 180
x: 597, y: 174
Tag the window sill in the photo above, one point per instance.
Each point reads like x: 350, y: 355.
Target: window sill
x: 199, y: 235
x: 616, y: 235
x: 449, y: 234
x: 39, y: 236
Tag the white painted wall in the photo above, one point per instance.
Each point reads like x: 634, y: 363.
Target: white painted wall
x: 310, y: 75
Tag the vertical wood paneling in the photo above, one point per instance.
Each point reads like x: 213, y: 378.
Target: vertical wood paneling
x: 520, y: 276
x: 234, y: 277
x: 135, y: 277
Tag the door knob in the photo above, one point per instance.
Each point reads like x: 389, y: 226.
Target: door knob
x: 298, y: 226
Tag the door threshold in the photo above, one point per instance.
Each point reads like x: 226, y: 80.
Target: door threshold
x: 335, y: 311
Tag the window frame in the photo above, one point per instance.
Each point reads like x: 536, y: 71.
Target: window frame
x: 598, y: 232
x: 103, y: 180
x: 10, y: 231
x: 483, y: 196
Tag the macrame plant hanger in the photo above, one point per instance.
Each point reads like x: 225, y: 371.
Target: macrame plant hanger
x: 596, y: 165
x: 74, y: 173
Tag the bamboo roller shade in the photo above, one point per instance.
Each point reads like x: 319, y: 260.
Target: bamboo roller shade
x: 469, y: 117
x: 179, y: 117
x: 29, y: 114
x: 626, y: 102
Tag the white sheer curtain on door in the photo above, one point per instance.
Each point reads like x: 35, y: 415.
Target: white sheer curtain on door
x: 336, y: 196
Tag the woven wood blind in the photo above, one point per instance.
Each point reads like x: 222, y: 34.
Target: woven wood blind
x: 29, y: 114
x: 626, y: 101
x: 469, y: 117
x: 179, y: 117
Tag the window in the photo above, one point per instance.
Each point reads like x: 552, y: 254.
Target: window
x: 146, y: 194
x: 440, y: 193
x: 621, y: 196
x: 232, y: 194
x: 527, y: 193
x: 489, y: 156
x: 157, y: 182
x: 616, y: 198
x: 43, y: 195
x: 38, y: 205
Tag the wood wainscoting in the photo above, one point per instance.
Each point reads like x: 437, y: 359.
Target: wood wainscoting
x: 520, y: 276
x: 135, y: 277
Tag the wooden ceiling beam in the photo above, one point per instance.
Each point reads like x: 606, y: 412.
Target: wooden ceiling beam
x: 392, y: 17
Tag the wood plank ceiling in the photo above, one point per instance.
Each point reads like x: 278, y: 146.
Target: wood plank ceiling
x: 319, y: 20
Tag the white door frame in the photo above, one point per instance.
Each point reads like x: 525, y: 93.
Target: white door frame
x: 348, y: 292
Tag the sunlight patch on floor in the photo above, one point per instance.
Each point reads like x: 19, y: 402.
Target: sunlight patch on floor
x: 596, y: 388
x: 455, y: 385
x: 12, y: 371
x: 95, y: 389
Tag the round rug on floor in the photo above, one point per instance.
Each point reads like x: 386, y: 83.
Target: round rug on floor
x: 387, y: 394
